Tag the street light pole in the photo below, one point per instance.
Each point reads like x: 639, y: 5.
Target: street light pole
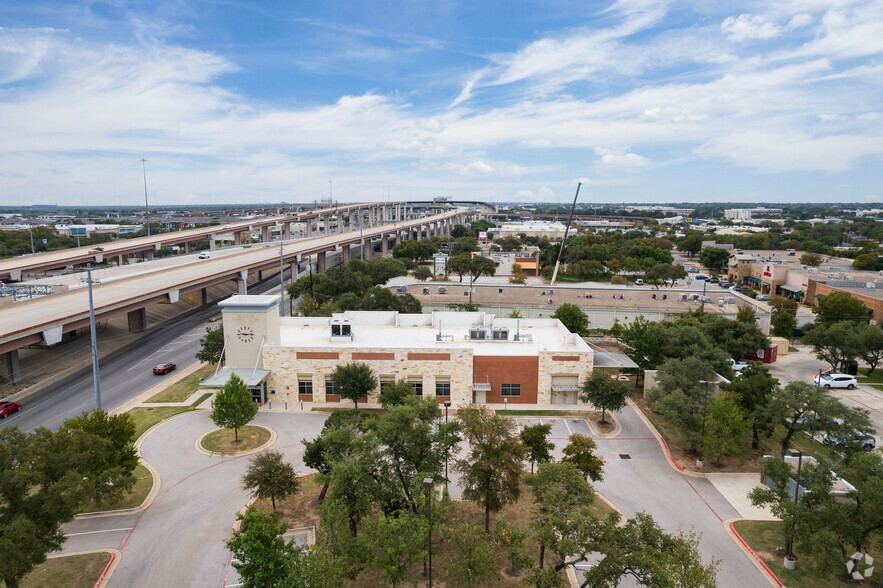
x: 95, y: 375
x: 146, y: 207
x: 447, y: 405
x: 427, y: 484
x: 794, y: 452
x: 281, y: 279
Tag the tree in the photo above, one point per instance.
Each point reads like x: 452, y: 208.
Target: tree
x: 840, y: 306
x: 833, y: 343
x: 867, y: 261
x: 262, y: 557
x: 869, y: 346
x: 860, y: 513
x: 43, y: 478
x: 714, y: 258
x: 754, y: 386
x: 802, y: 407
x: 459, y: 264
x: 573, y: 318
x: 492, y: 469
x: 811, y: 259
x: 268, y: 476
x: 691, y: 244
x: 640, y: 341
x: 472, y: 561
x: 382, y: 269
x: 211, y: 346
x: 422, y: 273
x: 509, y: 244
x: 515, y: 314
x: 482, y: 266
x: 111, y: 476
x: 783, y: 324
x: 234, y: 406
x: 605, y: 392
x: 580, y: 451
x: 535, y: 439
x: 392, y: 543
x: 513, y: 541
x: 726, y: 427
x: 353, y: 380
x: 662, y: 272
x: 396, y: 393
x: 336, y: 439
x: 458, y: 231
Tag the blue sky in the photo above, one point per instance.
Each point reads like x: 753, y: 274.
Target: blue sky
x: 271, y: 101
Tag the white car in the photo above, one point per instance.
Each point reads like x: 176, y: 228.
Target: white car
x: 737, y: 366
x: 205, y: 255
x: 829, y: 380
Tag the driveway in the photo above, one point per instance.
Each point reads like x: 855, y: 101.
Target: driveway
x: 179, y: 539
x: 804, y: 366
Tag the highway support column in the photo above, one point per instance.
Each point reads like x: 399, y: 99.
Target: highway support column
x: 320, y: 262
x: 10, y: 369
x: 137, y: 320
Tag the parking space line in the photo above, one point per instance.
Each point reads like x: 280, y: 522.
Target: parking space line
x: 93, y: 532
x: 569, y: 432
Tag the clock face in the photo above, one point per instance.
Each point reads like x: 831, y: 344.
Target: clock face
x: 245, y: 334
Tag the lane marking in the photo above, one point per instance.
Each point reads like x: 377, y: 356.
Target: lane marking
x: 569, y: 432
x: 93, y: 532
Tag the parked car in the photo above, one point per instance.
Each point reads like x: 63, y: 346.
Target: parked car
x: 96, y: 250
x: 845, y: 439
x: 763, y: 297
x: 205, y: 255
x: 639, y: 282
x: 829, y: 380
x: 701, y: 277
x: 726, y: 284
x: 164, y: 368
x: 226, y: 226
x: 737, y: 366
x: 713, y: 280
x: 737, y: 288
x: 7, y: 408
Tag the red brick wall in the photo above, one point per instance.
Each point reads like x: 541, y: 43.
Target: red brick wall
x: 318, y: 355
x: 430, y: 356
x: 507, y: 370
x: 367, y: 356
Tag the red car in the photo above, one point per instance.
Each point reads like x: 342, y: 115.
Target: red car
x: 163, y: 368
x: 7, y: 408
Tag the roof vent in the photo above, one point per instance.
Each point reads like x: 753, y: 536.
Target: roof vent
x: 477, y: 334
x: 500, y: 334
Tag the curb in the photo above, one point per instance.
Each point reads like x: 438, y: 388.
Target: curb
x: 270, y: 441
x: 617, y: 427
x: 768, y: 573
x: 662, y: 443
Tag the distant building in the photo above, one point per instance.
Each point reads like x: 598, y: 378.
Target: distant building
x: 540, y: 229
x: 746, y: 214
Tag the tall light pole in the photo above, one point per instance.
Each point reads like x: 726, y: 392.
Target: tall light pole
x: 427, y: 485
x: 281, y: 279
x: 704, y: 412
x: 146, y: 208
x: 799, y: 454
x: 95, y: 376
x: 447, y: 406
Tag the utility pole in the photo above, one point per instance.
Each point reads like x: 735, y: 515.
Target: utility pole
x: 31, y: 230
x: 281, y: 280
x: 95, y: 375
x: 146, y: 207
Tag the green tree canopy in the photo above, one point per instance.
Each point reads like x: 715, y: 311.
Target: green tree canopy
x: 833, y: 343
x: 269, y: 476
x: 536, y: 440
x: 580, y: 451
x: 354, y: 380
x: 573, y: 318
x: 234, y: 407
x: 211, y: 345
x: 840, y: 306
x: 605, y: 392
x: 714, y: 258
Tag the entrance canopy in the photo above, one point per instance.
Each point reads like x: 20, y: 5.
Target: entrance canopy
x: 252, y: 377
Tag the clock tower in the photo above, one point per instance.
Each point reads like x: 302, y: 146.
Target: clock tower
x: 249, y: 323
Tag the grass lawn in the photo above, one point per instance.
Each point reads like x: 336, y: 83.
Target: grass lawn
x: 73, y: 571
x: 222, y: 440
x: 302, y: 510
x: 874, y: 378
x: 552, y: 413
x: 765, y: 538
x: 145, y: 417
x: 201, y: 399
x: 793, y: 349
x: 132, y: 499
x: 184, y: 388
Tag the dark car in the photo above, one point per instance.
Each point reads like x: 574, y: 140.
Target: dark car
x: 164, y: 368
x: 846, y: 440
x: 713, y: 281
x: 7, y: 408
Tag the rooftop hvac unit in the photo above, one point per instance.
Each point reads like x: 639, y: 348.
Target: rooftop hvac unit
x: 341, y: 329
x: 401, y: 289
x: 442, y: 290
x: 426, y: 290
x: 683, y: 298
x: 500, y: 334
x: 477, y: 334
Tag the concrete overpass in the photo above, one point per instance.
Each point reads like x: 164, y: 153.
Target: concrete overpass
x: 46, y: 319
x: 367, y: 214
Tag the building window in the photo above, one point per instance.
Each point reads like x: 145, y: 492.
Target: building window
x: 442, y: 387
x: 510, y: 389
x: 330, y: 388
x: 305, y: 386
x: 418, y: 385
x: 384, y: 382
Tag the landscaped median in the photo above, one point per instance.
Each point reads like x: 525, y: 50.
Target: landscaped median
x: 82, y: 570
x: 226, y: 442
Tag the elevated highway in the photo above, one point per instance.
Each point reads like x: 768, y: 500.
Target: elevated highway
x: 365, y: 214
x: 44, y: 320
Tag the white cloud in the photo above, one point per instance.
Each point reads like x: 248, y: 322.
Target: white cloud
x: 619, y: 159
x: 750, y: 26
x: 476, y: 168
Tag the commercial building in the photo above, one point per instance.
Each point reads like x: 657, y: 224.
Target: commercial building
x: 540, y: 229
x: 868, y: 293
x: 462, y: 357
x: 746, y: 214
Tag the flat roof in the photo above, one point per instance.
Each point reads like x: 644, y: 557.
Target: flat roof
x: 392, y: 330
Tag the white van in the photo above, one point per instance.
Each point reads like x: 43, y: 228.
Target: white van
x: 639, y: 282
